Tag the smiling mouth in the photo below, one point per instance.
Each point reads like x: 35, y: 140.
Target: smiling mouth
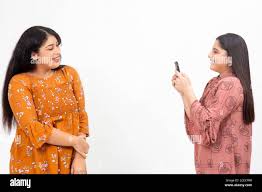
x: 56, y: 58
x: 212, y: 61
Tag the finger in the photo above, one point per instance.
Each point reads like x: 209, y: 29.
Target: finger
x: 87, y: 149
x: 174, y: 77
x: 176, y: 80
x: 82, y: 136
x: 81, y: 171
x: 72, y: 170
x: 174, y: 83
x: 186, y: 78
x: 178, y: 74
x: 75, y: 171
x: 184, y: 75
x: 81, y: 153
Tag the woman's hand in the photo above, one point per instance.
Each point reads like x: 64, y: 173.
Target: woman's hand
x: 78, y: 165
x: 182, y: 83
x: 80, y: 145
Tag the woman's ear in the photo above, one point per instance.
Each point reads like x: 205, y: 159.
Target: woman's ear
x: 229, y: 61
x: 34, y: 56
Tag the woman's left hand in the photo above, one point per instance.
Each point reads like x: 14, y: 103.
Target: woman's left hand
x: 181, y: 83
x: 78, y: 165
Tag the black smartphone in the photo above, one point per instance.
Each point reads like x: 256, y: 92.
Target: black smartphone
x: 177, y: 66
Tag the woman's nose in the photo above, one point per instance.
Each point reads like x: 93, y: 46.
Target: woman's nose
x: 210, y: 55
x: 57, y: 50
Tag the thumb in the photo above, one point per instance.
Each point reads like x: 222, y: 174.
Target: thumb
x: 178, y: 74
x: 81, y: 153
x: 82, y: 137
x: 185, y: 76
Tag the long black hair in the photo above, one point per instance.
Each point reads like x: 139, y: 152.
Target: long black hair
x: 236, y: 47
x: 30, y: 41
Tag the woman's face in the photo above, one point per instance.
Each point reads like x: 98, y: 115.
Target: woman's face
x: 49, y: 55
x: 219, y: 59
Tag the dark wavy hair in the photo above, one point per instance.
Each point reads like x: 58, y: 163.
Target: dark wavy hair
x: 30, y: 41
x: 236, y: 47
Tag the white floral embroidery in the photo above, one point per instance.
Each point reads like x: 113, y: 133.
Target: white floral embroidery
x: 18, y: 139
x: 42, y: 138
x: 54, y: 158
x: 27, y: 100
x: 20, y: 90
x: 19, y: 114
x: 43, y: 166
x: 29, y: 150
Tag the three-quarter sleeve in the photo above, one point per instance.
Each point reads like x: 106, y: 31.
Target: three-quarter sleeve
x: 80, y: 97
x: 22, y: 105
x: 205, y: 120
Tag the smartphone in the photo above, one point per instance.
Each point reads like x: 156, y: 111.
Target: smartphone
x: 177, y: 66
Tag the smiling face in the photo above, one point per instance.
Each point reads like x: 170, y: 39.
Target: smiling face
x: 49, y: 54
x: 219, y: 60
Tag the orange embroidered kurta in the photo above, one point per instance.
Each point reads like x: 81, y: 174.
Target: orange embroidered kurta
x: 39, y: 105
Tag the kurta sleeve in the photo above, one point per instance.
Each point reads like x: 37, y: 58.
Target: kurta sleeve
x: 188, y: 124
x: 206, y: 120
x: 80, y: 97
x: 22, y: 105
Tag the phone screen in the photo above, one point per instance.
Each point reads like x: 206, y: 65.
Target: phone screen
x: 177, y: 66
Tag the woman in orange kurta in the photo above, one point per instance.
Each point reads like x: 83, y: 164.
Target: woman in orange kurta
x: 50, y: 115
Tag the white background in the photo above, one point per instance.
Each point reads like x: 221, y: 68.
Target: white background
x: 124, y: 52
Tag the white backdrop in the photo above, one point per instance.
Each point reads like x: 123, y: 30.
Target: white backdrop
x: 124, y: 52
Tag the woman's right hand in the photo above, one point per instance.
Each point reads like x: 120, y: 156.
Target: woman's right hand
x: 80, y: 145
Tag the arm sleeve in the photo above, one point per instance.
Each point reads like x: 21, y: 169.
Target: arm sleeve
x: 206, y: 120
x: 22, y: 105
x: 80, y: 97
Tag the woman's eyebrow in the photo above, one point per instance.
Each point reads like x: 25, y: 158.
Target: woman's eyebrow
x: 50, y: 45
